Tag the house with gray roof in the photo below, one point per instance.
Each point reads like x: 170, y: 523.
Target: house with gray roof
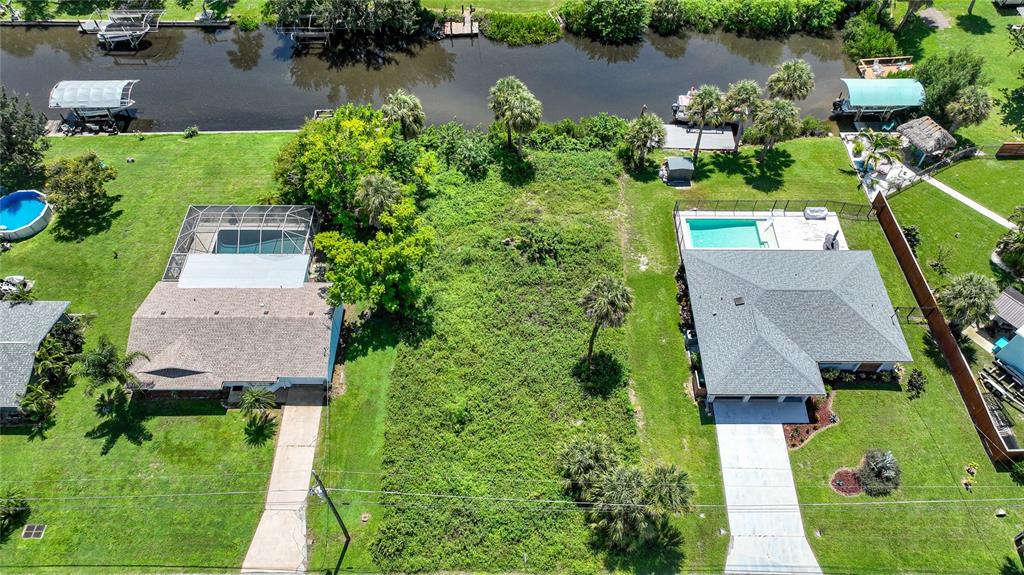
x: 768, y: 321
x: 23, y: 325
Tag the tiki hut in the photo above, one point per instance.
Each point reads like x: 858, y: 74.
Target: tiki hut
x: 926, y: 137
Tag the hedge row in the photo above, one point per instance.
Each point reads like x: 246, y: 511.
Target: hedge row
x: 520, y: 29
x: 756, y: 17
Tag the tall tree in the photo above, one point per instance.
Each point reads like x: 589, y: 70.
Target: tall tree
x: 377, y: 194
x: 706, y: 108
x: 913, y: 6
x: 644, y: 134
x: 968, y: 299
x: 514, y: 106
x: 405, y: 109
x: 22, y: 140
x: 741, y: 100
x: 775, y: 121
x: 944, y: 75
x: 792, y: 80
x: 606, y: 303
x: 972, y: 106
x: 105, y: 364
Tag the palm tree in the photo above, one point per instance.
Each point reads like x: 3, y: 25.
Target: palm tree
x: 792, y: 80
x: 775, y: 120
x: 377, y: 193
x: 705, y: 108
x: 1011, y: 249
x: 643, y: 135
x: 405, y: 109
x: 514, y: 106
x: 607, y: 303
x: 621, y: 511
x: 968, y: 299
x: 669, y: 489
x: 583, y: 460
x: 52, y: 363
x: 741, y: 100
x: 879, y: 147
x: 105, y: 364
x: 256, y: 402
x: 971, y: 106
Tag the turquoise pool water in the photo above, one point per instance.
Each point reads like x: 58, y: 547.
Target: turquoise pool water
x: 720, y: 233
x: 258, y: 242
x: 20, y: 209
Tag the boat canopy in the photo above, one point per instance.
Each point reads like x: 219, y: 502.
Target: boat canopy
x: 94, y: 94
x: 884, y: 93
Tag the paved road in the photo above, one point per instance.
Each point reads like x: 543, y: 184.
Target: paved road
x: 767, y: 532
x: 279, y: 545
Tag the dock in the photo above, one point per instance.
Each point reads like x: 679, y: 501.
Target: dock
x: 467, y: 27
x: 714, y: 139
x: 874, y: 68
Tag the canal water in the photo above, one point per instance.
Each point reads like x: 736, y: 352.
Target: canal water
x: 233, y: 80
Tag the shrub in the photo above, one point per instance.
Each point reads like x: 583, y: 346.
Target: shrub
x: 913, y: 235
x: 858, y: 148
x: 520, y: 29
x: 539, y: 243
x: 667, y: 17
x: 14, y: 511
x: 702, y: 15
x: 864, y: 38
x: 603, y: 131
x: 916, y: 383
x: 467, y: 151
x: 945, y: 75
x: 76, y: 184
x: 611, y: 21
x: 811, y: 127
x: 830, y: 374
x: 1011, y: 249
x: 761, y: 17
x: 248, y: 22
x: 880, y: 473
x: 816, y: 16
x: 191, y: 132
x: 847, y: 377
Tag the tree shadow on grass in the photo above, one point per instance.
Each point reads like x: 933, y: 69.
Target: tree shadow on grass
x: 931, y: 349
x: 259, y: 429
x: 1011, y: 107
x: 974, y: 24
x: 126, y: 420
x: 646, y: 173
x: 366, y: 335
x: 912, y: 36
x: 75, y: 226
x: 516, y: 169
x: 602, y: 377
x: 1010, y: 566
x: 665, y: 555
x: 767, y: 176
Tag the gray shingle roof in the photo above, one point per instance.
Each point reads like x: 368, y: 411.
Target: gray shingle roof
x: 22, y: 326
x: 1010, y: 307
x: 800, y: 308
x: 199, y: 338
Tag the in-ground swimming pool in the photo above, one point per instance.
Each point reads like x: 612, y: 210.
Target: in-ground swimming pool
x: 23, y: 214
x: 724, y: 233
x: 251, y: 241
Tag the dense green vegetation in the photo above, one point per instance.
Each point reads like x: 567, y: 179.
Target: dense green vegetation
x: 755, y: 17
x: 520, y: 29
x: 22, y: 143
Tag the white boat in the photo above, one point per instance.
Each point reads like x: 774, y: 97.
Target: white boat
x: 122, y: 26
x: 679, y: 108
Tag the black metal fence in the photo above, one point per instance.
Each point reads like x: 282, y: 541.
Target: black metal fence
x: 842, y: 209
x: 913, y: 314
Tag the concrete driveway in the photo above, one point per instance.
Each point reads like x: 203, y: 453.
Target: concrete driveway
x: 767, y: 532
x: 279, y: 545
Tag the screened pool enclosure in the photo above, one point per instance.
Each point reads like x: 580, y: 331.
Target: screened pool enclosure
x: 260, y: 230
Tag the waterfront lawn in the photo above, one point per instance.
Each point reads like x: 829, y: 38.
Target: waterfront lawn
x: 166, y: 447
x: 967, y: 236
x: 934, y: 439
x: 996, y: 184
x: 984, y: 32
x: 494, y: 5
x: 83, y: 9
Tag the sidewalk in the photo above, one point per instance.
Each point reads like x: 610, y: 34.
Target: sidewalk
x: 279, y: 545
x: 969, y: 203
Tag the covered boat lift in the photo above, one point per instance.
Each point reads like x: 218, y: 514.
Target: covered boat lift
x: 122, y: 26
x: 881, y: 97
x: 95, y: 104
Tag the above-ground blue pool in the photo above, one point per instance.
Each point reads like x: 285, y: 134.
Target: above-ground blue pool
x: 724, y: 233
x: 23, y: 214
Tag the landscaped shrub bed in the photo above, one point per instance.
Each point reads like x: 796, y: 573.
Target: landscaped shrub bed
x: 845, y: 482
x: 798, y: 434
x: 483, y: 396
x: 520, y: 29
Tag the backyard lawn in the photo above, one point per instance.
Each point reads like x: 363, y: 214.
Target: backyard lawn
x: 950, y: 232
x: 163, y: 447
x: 996, y: 184
x: 83, y: 9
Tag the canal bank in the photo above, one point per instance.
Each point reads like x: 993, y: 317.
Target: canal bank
x: 234, y: 80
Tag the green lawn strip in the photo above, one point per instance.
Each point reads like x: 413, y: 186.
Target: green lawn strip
x: 349, y: 455
x: 169, y: 174
x: 86, y: 9
x: 969, y: 237
x: 996, y: 184
x: 494, y: 5
x: 985, y: 33
x: 187, y: 452
x: 933, y: 439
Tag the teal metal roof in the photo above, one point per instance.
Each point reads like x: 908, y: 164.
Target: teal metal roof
x: 896, y: 92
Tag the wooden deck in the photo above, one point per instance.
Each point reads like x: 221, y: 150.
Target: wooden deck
x: 468, y: 27
x: 874, y: 68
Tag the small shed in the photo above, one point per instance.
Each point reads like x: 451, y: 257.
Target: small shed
x: 926, y: 136
x: 677, y: 170
x: 1009, y: 308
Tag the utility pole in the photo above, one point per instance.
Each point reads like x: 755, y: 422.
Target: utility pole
x: 321, y: 492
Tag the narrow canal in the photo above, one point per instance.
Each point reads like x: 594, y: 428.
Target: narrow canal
x: 232, y: 80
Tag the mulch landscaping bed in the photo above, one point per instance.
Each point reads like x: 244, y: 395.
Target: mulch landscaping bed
x: 823, y: 417
x: 845, y: 482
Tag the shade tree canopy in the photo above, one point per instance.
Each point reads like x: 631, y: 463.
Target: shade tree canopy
x: 22, y: 140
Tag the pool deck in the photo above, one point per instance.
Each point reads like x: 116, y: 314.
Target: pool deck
x: 792, y: 230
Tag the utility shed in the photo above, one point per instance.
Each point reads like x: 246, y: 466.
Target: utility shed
x: 926, y: 136
x: 677, y: 170
x: 768, y: 321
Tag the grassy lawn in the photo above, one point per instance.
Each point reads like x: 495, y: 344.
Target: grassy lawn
x: 996, y: 184
x: 984, y: 32
x: 495, y: 5
x: 162, y: 447
x: 968, y: 237
x: 82, y: 9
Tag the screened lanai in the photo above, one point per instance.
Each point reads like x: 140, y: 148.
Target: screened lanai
x: 260, y: 233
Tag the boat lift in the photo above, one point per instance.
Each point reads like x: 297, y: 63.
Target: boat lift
x: 122, y: 26
x: 96, y: 105
x: 883, y: 97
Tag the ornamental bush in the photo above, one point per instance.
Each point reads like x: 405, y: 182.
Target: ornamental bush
x: 610, y: 21
x: 520, y: 29
x: 880, y: 473
x: 864, y: 38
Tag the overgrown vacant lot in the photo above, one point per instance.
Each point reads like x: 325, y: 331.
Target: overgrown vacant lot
x: 166, y: 447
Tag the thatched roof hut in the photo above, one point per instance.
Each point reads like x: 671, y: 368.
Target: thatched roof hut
x: 926, y: 135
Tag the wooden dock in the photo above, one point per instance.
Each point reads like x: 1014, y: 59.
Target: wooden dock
x: 874, y: 68
x: 467, y: 27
